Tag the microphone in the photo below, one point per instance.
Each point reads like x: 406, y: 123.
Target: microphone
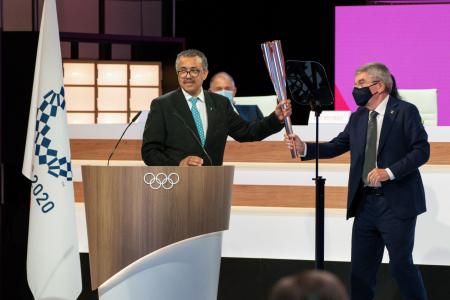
x: 194, y: 135
x: 117, y: 144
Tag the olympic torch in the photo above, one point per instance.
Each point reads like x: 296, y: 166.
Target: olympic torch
x: 273, y: 57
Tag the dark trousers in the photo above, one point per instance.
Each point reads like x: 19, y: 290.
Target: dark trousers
x: 375, y: 227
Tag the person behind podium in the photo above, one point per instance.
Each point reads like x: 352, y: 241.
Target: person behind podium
x: 223, y: 84
x: 189, y: 126
x: 387, y: 144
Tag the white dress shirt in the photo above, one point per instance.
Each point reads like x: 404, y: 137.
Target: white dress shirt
x: 381, y: 110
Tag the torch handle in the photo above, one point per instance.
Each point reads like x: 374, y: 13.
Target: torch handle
x: 288, y: 128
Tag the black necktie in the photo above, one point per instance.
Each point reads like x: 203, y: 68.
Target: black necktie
x: 370, y: 156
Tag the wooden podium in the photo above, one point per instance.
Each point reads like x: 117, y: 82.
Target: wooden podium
x: 151, y: 227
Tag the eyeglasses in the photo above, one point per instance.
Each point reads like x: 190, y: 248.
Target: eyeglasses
x: 183, y: 73
x: 364, y: 84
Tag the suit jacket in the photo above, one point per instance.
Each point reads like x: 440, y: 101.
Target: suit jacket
x: 403, y: 148
x: 170, y: 133
x: 249, y: 113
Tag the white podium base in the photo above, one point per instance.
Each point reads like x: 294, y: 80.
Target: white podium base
x: 186, y: 270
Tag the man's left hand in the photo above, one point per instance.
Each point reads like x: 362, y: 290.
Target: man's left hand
x: 283, y: 109
x: 377, y: 175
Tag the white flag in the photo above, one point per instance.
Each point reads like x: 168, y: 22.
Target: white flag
x: 53, y: 261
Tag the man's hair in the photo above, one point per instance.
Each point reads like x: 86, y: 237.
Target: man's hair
x: 192, y: 53
x: 320, y: 285
x: 377, y: 72
x: 221, y: 74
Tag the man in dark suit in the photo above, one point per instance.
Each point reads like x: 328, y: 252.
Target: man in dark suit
x: 223, y: 84
x: 387, y: 144
x: 190, y: 126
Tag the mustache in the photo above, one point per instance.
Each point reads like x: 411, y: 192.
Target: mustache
x: 188, y: 80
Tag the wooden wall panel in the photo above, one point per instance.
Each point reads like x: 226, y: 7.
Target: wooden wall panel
x: 267, y: 152
x: 94, y: 149
x: 272, y: 196
x: 286, y: 196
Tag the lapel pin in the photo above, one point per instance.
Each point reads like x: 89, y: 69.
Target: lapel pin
x: 392, y: 112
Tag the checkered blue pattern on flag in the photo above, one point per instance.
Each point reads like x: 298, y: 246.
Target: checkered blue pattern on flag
x: 53, y: 261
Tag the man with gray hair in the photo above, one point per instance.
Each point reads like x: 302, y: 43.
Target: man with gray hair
x: 190, y: 126
x: 387, y: 144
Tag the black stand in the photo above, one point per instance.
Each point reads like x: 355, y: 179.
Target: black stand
x: 320, y: 200
x: 309, y: 87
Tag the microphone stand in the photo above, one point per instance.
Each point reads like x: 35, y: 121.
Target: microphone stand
x: 320, y: 196
x: 120, y: 139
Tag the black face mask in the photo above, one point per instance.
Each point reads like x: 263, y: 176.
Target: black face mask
x: 362, y: 95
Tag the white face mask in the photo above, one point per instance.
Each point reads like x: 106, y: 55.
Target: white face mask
x: 226, y: 93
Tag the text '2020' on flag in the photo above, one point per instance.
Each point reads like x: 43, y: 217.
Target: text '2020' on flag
x: 53, y: 261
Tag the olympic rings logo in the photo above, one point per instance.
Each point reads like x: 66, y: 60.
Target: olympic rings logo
x: 161, y: 180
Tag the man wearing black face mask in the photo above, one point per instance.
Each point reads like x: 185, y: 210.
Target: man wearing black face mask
x: 388, y: 144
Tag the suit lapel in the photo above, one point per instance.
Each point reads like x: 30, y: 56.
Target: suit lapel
x: 388, y: 120
x: 361, y: 130
x: 211, y: 114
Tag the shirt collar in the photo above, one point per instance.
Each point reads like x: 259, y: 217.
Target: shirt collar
x: 201, y: 97
x: 381, y: 108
